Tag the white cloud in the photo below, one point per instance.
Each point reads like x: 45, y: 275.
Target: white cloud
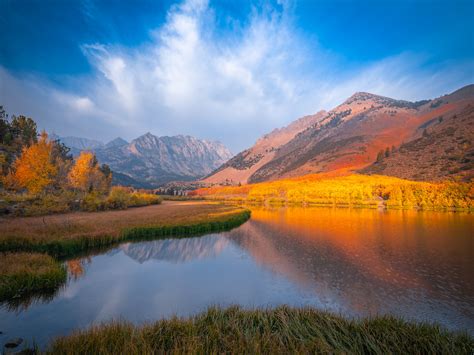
x: 234, y: 86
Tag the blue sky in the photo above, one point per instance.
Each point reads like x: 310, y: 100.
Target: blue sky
x: 102, y: 69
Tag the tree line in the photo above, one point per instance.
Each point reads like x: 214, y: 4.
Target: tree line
x: 38, y: 175
x: 37, y: 164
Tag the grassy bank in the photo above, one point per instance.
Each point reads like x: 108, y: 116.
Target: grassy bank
x: 351, y: 191
x: 281, y: 330
x: 24, y: 274
x: 70, y: 234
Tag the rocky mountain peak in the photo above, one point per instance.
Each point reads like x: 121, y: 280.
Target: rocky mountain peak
x: 117, y: 142
x: 151, y: 161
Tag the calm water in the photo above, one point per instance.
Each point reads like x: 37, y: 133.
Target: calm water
x: 417, y: 265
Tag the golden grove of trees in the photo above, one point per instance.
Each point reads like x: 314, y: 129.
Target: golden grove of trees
x: 352, y: 190
x: 41, y: 167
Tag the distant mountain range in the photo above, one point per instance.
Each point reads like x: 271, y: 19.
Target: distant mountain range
x: 424, y: 140
x: 371, y: 134
x: 150, y: 161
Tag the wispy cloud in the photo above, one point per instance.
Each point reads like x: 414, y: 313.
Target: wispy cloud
x: 191, y: 78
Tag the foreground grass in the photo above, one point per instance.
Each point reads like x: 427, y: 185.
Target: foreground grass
x: 281, y: 330
x: 70, y: 234
x: 24, y: 274
x: 351, y: 191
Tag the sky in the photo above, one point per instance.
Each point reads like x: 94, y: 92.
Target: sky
x: 221, y: 70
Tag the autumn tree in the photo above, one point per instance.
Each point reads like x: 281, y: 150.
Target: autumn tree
x: 63, y: 160
x: 34, y: 169
x: 107, y: 172
x: 86, y: 175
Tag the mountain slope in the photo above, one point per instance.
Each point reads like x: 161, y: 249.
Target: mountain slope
x: 149, y: 161
x: 241, y: 167
x: 117, y: 142
x: 81, y: 143
x: 349, y: 137
x: 444, y: 150
x: 157, y: 160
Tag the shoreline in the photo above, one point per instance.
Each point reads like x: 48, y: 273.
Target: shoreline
x: 69, y: 234
x: 30, y: 266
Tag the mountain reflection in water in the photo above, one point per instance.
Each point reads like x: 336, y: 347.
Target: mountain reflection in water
x: 176, y: 250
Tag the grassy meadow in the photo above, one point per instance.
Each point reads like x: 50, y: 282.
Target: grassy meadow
x: 281, y: 330
x: 64, y: 235
x: 351, y: 191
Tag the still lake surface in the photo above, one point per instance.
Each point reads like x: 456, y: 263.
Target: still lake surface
x: 415, y: 265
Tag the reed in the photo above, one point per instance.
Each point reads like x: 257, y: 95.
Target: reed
x: 281, y: 330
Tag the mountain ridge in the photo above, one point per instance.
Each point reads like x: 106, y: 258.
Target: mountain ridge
x: 349, y: 137
x: 151, y: 161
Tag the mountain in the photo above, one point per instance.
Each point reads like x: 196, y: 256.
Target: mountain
x: 77, y: 144
x: 81, y: 143
x: 117, y: 142
x: 444, y: 150
x: 150, y: 161
x: 241, y: 167
x: 351, y: 136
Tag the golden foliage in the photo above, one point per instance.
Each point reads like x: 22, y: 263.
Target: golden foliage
x: 121, y: 198
x: 85, y: 174
x: 352, y: 190
x: 34, y: 169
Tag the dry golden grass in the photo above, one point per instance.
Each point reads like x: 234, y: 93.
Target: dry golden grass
x: 71, y: 225
x: 81, y: 231
x: 25, y: 273
x: 18, y: 263
x: 282, y: 330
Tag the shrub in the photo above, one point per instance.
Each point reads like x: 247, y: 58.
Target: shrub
x: 93, y: 202
x: 143, y: 199
x: 119, y: 198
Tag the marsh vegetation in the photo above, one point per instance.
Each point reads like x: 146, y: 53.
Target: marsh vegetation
x: 265, y: 331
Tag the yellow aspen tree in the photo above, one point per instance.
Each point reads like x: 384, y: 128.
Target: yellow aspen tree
x: 34, y: 169
x: 85, y: 175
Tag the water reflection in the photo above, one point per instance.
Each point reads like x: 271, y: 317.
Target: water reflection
x: 77, y: 267
x: 176, y: 250
x: 355, y: 262
x: 365, y: 262
x: 17, y: 305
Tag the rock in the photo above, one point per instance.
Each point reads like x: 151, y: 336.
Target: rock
x: 13, y: 343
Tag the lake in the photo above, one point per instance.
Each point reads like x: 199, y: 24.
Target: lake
x: 355, y: 262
